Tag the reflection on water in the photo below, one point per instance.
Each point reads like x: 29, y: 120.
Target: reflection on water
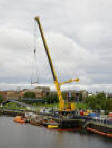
x: 14, y: 135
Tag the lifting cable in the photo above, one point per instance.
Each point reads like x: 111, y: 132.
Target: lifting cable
x: 35, y: 71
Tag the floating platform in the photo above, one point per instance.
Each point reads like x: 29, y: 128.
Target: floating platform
x: 68, y: 123
x: 99, y: 128
x: 12, y: 112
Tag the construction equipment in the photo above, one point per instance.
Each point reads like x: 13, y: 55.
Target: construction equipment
x: 70, y: 81
x: 57, y: 84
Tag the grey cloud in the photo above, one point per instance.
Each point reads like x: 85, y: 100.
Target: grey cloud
x: 79, y: 36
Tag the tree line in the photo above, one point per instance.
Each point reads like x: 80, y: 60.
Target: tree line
x: 95, y: 102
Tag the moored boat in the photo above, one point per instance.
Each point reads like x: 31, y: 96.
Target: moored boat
x: 100, y: 126
x: 19, y: 119
x: 97, y: 131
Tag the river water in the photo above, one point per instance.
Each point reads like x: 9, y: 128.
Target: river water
x: 15, y: 135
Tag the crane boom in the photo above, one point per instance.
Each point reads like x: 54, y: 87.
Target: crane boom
x: 57, y: 85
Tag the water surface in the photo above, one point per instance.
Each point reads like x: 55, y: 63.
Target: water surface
x: 15, y: 135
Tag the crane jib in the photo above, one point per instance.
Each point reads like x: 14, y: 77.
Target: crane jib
x: 51, y: 66
x: 46, y: 48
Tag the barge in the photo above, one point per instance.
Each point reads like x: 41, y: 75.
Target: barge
x: 101, y: 127
x: 65, y: 120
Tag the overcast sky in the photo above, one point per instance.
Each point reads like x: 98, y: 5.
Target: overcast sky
x: 79, y: 35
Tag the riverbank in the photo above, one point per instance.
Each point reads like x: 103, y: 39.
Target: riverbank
x: 50, y: 117
x: 99, y: 126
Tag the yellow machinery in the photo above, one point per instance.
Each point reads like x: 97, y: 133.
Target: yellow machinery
x: 70, y: 106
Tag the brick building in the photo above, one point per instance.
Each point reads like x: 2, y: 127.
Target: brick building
x: 44, y: 91
x: 10, y: 94
x: 73, y: 94
x: 40, y: 91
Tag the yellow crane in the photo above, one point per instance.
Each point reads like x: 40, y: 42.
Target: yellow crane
x: 57, y: 84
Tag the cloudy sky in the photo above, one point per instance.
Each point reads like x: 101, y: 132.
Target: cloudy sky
x: 79, y: 35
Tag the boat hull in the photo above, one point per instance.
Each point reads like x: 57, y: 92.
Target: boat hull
x: 100, y: 129
x: 68, y: 123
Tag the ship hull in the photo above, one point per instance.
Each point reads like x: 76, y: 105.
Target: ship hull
x: 69, y: 123
x: 100, y: 129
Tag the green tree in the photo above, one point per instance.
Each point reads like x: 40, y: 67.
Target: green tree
x: 96, y: 101
x: 53, y: 98
x: 109, y: 105
x: 100, y: 101
x: 91, y: 102
x: 1, y: 99
x: 29, y: 95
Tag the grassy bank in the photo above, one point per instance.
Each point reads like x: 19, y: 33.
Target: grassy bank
x: 13, y: 105
x: 38, y: 106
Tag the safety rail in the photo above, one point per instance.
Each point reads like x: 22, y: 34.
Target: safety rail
x: 99, y: 123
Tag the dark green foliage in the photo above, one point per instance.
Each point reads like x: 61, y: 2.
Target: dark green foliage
x: 53, y: 98
x: 29, y: 95
x: 91, y: 103
x: 109, y: 105
x: 96, y: 101
x: 1, y: 99
x: 80, y: 97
